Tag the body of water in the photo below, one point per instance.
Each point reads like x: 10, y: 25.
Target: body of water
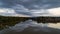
x: 32, y: 27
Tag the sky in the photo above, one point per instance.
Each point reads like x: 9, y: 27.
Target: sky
x: 30, y: 7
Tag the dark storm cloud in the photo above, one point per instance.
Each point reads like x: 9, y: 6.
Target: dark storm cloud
x: 29, y: 5
x: 6, y: 3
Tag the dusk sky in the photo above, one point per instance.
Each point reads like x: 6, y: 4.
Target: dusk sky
x: 30, y: 7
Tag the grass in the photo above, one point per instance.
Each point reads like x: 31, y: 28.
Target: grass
x: 10, y: 21
x: 6, y: 21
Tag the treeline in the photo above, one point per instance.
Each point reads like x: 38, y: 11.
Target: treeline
x: 10, y: 21
x: 42, y: 19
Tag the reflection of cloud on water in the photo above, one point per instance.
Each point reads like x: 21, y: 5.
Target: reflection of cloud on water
x: 52, y: 25
x: 27, y: 24
x: 30, y: 26
x: 23, y: 25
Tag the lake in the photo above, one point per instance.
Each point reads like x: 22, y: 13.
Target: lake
x: 32, y: 27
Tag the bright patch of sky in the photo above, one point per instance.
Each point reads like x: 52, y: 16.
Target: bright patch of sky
x: 6, y: 11
x: 54, y: 11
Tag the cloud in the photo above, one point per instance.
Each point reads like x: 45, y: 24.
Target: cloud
x: 31, y: 4
x: 6, y: 10
x: 54, y: 11
x: 10, y: 12
x: 37, y: 7
x: 39, y: 12
x: 20, y: 9
x: 46, y: 12
x: 30, y: 7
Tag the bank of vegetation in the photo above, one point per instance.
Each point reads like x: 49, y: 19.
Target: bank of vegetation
x: 6, y: 21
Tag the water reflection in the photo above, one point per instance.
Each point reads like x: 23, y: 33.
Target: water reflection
x: 52, y: 25
x: 30, y: 27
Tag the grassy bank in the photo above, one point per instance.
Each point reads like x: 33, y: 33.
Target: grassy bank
x: 10, y: 21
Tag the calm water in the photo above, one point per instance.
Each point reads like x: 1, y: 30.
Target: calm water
x: 32, y: 27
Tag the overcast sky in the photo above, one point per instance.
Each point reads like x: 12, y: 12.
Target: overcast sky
x: 30, y: 7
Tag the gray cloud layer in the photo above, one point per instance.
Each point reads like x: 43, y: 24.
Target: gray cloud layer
x: 25, y: 6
